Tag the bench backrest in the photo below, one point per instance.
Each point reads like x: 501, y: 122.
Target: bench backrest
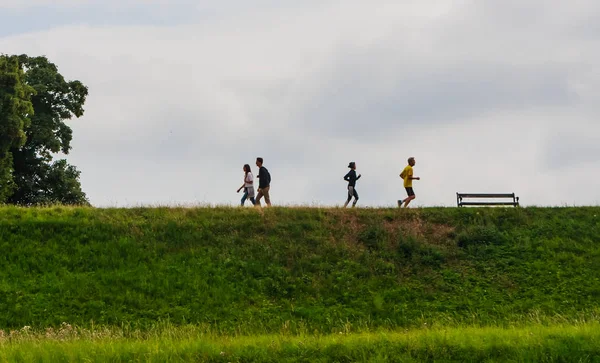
x: 482, y: 195
x: 460, y: 196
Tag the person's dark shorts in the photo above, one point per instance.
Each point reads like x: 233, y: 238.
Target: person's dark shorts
x: 410, y: 191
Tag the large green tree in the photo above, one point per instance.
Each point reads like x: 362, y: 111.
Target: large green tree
x: 38, y: 179
x: 15, y: 110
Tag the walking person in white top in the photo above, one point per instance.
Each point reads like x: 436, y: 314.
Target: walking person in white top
x: 248, y: 186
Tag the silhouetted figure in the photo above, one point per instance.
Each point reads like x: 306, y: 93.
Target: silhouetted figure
x: 351, y: 178
x: 264, y: 183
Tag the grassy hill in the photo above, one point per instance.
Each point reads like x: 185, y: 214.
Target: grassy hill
x: 298, y: 269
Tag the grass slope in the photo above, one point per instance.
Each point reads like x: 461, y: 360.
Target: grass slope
x: 298, y: 270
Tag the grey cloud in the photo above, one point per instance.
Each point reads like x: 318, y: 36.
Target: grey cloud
x: 349, y: 103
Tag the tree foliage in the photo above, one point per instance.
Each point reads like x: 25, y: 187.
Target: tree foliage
x: 36, y: 178
x: 15, y: 109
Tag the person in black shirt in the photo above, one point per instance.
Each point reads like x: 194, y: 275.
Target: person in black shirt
x: 351, y: 178
x: 264, y: 183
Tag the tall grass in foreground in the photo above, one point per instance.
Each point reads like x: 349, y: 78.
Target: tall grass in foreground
x: 535, y: 343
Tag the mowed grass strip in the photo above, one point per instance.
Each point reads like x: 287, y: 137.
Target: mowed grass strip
x: 536, y: 343
x: 298, y: 270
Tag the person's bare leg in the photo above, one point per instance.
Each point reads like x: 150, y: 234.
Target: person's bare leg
x: 350, y: 195
x: 407, y: 200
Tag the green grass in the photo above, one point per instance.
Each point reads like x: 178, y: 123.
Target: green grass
x: 238, y: 271
x: 535, y: 343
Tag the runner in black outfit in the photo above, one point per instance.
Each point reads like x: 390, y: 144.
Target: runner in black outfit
x: 351, y: 178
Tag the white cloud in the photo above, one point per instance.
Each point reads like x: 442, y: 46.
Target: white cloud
x: 480, y: 92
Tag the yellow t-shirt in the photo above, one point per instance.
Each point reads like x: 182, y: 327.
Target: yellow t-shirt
x: 408, y: 171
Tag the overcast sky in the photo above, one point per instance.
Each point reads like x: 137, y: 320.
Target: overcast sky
x: 488, y: 95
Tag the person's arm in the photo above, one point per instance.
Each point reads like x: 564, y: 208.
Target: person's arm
x: 411, y: 177
x: 358, y: 177
x: 347, y: 177
x: 260, y: 179
x: 241, y: 187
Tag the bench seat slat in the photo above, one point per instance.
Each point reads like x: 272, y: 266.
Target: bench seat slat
x: 489, y: 203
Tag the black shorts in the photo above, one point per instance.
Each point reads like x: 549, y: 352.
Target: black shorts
x: 410, y: 191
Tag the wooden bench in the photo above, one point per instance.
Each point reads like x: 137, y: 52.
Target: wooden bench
x: 461, y: 196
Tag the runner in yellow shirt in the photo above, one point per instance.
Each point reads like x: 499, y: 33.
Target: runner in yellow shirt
x: 407, y: 175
